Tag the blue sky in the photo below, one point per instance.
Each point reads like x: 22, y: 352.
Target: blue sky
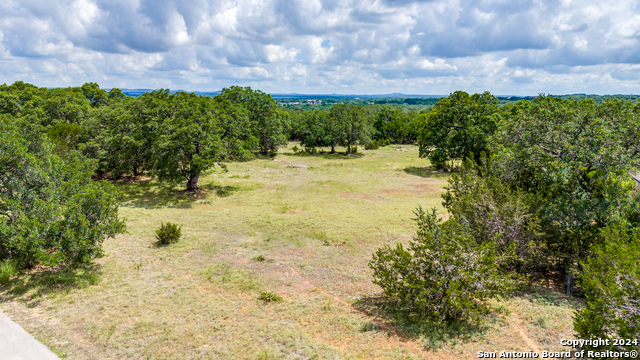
x: 333, y: 46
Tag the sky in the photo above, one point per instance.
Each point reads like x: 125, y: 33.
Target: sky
x: 432, y: 47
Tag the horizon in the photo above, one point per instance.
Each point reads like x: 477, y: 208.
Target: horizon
x: 394, y: 94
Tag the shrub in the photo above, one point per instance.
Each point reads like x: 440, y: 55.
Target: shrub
x: 7, y: 269
x: 269, y: 296
x: 494, y: 211
x: 375, y: 144
x: 168, y: 233
x: 444, y: 275
x: 371, y: 145
x: 611, y: 284
x: 53, y: 213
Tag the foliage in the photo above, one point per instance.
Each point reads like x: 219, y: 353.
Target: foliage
x: 269, y: 124
x: 444, y: 275
x: 51, y: 212
x: 193, y: 134
x: 611, y: 283
x: 349, y: 124
x: 394, y: 126
x: 318, y: 130
x: 375, y: 144
x: 495, y: 212
x: 269, y: 297
x: 7, y: 269
x: 457, y: 127
x: 168, y: 233
x: 574, y: 162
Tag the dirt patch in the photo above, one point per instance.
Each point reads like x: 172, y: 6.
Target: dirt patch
x: 421, y: 189
x: 353, y: 195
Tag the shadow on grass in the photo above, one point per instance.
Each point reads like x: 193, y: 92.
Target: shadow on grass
x: 147, y: 194
x: 426, y: 172
x: 335, y: 156
x: 431, y: 334
x: 33, y: 285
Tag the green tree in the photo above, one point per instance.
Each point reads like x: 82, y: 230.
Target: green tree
x: 95, y: 95
x: 195, y: 133
x: 457, y: 127
x: 611, y: 283
x: 495, y: 212
x: 575, y: 165
x: 317, y: 130
x: 348, y: 125
x: 51, y: 212
x: 269, y: 124
x: 393, y: 125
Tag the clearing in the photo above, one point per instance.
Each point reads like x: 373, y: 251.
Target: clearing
x: 302, y: 226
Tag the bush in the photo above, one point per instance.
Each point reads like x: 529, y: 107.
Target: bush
x: 443, y: 276
x: 7, y: 269
x: 269, y: 296
x: 375, y: 144
x: 168, y: 233
x: 494, y: 211
x: 611, y: 284
x: 51, y: 212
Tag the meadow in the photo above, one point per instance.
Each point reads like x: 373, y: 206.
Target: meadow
x: 299, y: 226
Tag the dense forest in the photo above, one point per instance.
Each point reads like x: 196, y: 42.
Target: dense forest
x: 541, y: 188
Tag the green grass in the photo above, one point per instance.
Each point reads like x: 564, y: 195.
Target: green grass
x: 7, y: 270
x: 315, y: 220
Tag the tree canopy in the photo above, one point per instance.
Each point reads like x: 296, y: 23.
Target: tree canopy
x: 458, y: 126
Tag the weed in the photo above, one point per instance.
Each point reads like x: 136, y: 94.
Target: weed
x: 368, y: 326
x: 259, y: 258
x: 269, y: 297
x: 541, y: 321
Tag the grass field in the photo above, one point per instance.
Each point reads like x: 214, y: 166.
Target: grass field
x: 301, y: 226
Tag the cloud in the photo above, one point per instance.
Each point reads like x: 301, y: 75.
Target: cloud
x: 371, y: 46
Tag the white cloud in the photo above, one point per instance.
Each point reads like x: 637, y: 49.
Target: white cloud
x: 354, y: 46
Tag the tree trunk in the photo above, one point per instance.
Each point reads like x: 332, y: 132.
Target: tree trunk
x: 333, y: 148
x: 192, y: 184
x: 349, y: 147
x: 567, y: 273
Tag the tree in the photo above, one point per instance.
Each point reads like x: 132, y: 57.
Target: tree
x: 269, y: 124
x: 393, y: 125
x: 95, y: 95
x: 457, y: 127
x: 51, y: 212
x: 444, y: 275
x: 498, y: 213
x: 195, y: 133
x: 575, y: 165
x: 611, y: 284
x: 317, y: 130
x: 349, y: 124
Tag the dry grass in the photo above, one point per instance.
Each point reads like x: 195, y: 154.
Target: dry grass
x: 314, y: 221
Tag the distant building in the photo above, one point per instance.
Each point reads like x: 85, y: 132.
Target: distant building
x: 310, y: 101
